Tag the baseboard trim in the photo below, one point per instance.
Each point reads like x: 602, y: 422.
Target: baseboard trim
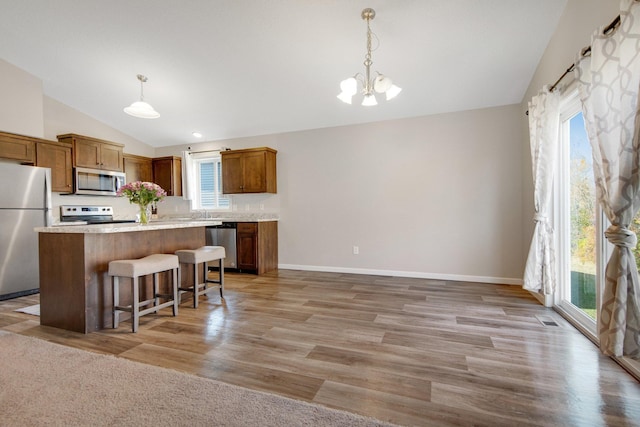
x: 411, y: 274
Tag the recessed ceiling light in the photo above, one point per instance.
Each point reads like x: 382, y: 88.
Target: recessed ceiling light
x: 197, y: 134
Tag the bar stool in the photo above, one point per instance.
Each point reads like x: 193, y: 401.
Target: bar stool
x: 202, y: 255
x: 136, y: 268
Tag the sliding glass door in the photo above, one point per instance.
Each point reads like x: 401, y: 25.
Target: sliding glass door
x: 580, y: 223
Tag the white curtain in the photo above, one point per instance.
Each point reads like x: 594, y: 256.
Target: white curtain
x: 544, y: 119
x: 188, y: 176
x: 608, y: 82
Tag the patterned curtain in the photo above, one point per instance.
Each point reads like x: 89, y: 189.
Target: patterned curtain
x: 608, y: 82
x: 544, y: 120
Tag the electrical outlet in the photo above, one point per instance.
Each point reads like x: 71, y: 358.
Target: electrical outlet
x: 356, y: 250
x: 261, y: 206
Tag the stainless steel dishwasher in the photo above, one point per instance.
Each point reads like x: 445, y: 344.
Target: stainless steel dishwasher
x: 224, y: 235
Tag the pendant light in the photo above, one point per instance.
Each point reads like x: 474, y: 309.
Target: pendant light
x: 140, y: 108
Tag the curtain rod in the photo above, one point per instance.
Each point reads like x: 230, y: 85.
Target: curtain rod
x: 586, y: 51
x: 209, y: 151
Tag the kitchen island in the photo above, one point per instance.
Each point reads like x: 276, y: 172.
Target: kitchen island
x: 75, y: 289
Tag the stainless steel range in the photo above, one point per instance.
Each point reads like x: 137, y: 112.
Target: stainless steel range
x: 89, y: 214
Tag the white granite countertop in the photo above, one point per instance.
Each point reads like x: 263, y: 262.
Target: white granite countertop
x: 224, y: 217
x: 126, y: 227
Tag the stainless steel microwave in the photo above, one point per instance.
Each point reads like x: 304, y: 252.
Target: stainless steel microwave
x: 96, y: 182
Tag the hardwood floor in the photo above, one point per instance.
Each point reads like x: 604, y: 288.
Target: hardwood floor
x: 408, y: 351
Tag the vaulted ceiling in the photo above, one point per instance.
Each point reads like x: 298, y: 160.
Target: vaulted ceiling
x: 234, y: 68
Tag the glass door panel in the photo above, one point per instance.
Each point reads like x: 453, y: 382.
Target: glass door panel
x: 582, y: 194
x: 579, y: 227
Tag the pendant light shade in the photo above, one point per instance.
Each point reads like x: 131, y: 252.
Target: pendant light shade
x: 369, y: 100
x: 140, y: 108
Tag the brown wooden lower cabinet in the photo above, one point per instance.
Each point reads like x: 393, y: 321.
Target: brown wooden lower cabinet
x: 257, y: 245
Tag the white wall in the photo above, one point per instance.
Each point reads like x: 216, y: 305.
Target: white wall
x: 60, y: 119
x: 578, y: 22
x: 20, y: 101
x: 436, y: 196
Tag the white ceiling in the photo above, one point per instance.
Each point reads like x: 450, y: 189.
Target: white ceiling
x: 234, y: 68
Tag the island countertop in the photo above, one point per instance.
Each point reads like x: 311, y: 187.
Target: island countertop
x: 125, y: 227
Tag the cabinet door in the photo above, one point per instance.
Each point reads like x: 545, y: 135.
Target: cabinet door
x: 58, y: 159
x: 247, y: 245
x: 17, y: 148
x: 176, y: 177
x: 87, y: 153
x: 232, y: 181
x: 138, y: 169
x: 254, y: 172
x: 167, y: 173
x: 111, y: 157
x: 162, y: 174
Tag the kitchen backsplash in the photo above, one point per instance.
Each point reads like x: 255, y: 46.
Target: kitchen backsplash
x: 257, y: 206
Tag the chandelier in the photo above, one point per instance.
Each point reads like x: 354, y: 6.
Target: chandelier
x: 379, y: 84
x: 140, y: 108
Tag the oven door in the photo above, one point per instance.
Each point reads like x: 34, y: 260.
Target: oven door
x: 97, y: 182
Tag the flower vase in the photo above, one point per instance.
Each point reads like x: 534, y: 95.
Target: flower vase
x: 145, y: 214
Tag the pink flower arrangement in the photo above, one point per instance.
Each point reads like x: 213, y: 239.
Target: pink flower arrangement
x: 142, y: 193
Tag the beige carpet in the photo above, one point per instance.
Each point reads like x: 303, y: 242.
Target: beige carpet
x: 46, y: 384
x: 32, y: 309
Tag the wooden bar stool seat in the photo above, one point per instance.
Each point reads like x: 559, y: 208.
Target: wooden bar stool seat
x: 136, y: 268
x: 203, y: 255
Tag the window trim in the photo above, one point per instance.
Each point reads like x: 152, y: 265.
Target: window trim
x: 196, y: 203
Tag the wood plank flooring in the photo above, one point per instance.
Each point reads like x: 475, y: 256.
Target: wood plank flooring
x: 409, y: 351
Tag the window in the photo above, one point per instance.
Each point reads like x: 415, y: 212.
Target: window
x: 208, y: 184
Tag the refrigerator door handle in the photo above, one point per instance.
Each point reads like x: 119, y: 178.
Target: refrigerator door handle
x: 48, y: 216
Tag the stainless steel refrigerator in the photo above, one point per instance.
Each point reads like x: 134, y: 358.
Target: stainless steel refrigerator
x: 25, y: 203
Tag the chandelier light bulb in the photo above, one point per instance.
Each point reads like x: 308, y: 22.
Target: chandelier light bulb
x: 393, y: 91
x: 349, y: 86
x: 369, y: 100
x: 382, y: 84
x: 345, y: 97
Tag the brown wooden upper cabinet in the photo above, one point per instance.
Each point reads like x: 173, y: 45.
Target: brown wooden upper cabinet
x: 138, y: 168
x: 17, y: 147
x: 251, y: 170
x: 95, y: 153
x: 57, y: 157
x: 167, y: 173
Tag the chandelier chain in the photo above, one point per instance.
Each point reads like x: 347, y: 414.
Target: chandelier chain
x: 368, y: 62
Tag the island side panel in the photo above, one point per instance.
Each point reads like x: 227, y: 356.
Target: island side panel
x: 267, y: 246
x: 62, y: 281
